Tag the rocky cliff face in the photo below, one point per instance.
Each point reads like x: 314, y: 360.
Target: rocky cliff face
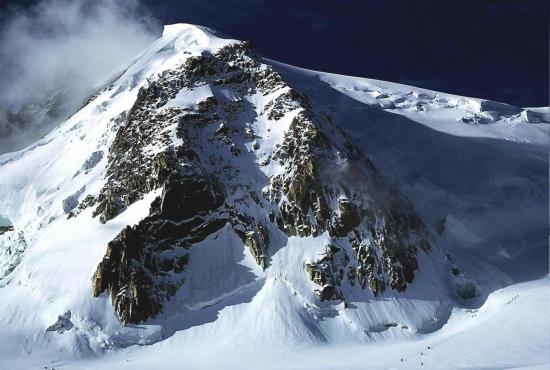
x: 224, y: 140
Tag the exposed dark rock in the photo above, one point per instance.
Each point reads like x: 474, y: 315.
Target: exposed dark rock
x: 328, y: 272
x: 327, y: 292
x: 62, y: 324
x: 71, y: 202
x: 385, y: 232
x: 253, y: 234
x: 185, y: 197
x: 455, y: 271
x: 13, y: 254
x: 5, y: 229
x: 348, y: 218
x: 284, y: 103
x: 91, y: 162
x: 466, y: 289
x: 163, y: 148
x: 143, y: 264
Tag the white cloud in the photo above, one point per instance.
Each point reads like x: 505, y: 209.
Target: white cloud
x: 68, y: 48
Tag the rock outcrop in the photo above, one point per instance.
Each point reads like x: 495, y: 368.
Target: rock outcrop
x: 62, y: 324
x: 12, y: 248
x: 214, y: 168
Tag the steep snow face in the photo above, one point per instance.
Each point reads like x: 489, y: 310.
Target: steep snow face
x: 215, y: 200
x: 475, y: 170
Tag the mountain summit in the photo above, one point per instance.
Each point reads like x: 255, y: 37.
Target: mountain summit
x: 230, y: 145
x: 211, y: 195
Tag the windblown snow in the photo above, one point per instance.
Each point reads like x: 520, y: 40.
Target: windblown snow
x: 475, y: 171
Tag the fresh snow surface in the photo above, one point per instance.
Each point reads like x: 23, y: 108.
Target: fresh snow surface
x: 476, y: 171
x: 481, y: 187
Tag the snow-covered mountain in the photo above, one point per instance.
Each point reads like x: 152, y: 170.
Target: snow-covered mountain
x: 213, y: 209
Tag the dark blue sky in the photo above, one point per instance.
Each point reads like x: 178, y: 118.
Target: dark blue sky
x: 483, y: 48
x: 491, y: 49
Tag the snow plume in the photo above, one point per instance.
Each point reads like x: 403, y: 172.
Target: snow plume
x: 57, y: 53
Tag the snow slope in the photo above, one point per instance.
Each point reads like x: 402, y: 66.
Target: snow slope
x: 476, y: 171
x: 481, y: 187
